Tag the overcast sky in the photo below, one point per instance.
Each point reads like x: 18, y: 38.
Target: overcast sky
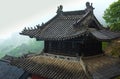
x: 17, y: 14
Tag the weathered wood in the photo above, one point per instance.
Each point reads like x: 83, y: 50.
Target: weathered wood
x: 85, y: 45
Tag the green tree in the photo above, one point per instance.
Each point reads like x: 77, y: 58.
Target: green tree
x: 112, y: 16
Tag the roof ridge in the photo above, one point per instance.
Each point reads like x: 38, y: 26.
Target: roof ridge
x: 81, y: 19
x: 78, y: 11
x: 84, y: 66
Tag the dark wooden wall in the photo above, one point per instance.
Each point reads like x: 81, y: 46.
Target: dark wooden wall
x: 84, y: 45
x: 92, y: 46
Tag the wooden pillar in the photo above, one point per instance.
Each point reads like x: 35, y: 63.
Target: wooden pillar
x: 49, y: 46
x: 73, y: 44
x: 46, y: 46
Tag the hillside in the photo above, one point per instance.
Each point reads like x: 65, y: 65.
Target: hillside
x: 18, y: 45
x: 32, y: 46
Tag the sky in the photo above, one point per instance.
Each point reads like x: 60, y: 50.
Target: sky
x: 17, y: 14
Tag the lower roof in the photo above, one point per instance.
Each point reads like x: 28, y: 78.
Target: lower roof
x: 98, y: 67
x: 103, y: 67
x: 52, y: 68
x: 8, y: 71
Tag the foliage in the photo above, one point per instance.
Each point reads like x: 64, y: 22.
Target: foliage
x: 104, y: 45
x: 112, y: 16
x: 117, y: 77
x: 25, y: 47
x: 113, y: 48
x: 33, y: 46
x: 1, y: 55
x: 18, y: 45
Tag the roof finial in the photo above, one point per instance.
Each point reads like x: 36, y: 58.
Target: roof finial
x: 87, y: 4
x: 59, y: 10
x: 89, y: 7
x: 38, y: 26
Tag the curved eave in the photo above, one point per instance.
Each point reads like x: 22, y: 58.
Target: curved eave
x: 60, y: 38
x: 106, y: 40
x: 105, y: 35
x: 97, y: 22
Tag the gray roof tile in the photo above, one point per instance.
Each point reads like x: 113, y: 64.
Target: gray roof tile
x: 9, y: 72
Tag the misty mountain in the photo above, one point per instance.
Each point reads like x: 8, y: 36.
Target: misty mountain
x: 32, y: 46
x: 14, y: 40
x: 18, y: 45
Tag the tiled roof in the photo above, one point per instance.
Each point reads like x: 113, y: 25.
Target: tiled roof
x: 98, y: 67
x: 68, y: 25
x: 53, y: 68
x: 104, y: 35
x: 10, y: 72
x: 64, y: 26
x: 103, y: 67
x: 60, y: 27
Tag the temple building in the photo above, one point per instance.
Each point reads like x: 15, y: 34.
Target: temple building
x: 72, y: 48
